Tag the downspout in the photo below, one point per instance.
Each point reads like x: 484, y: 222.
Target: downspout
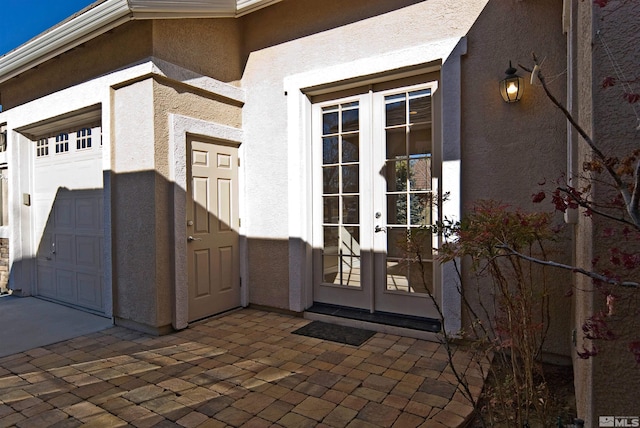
x: 570, y: 215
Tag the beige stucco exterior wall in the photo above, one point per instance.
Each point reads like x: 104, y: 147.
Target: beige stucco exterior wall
x: 507, y: 149
x: 139, y: 173
x: 143, y: 195
x: 294, y: 37
x: 210, y: 47
x: 93, y: 58
x: 606, y: 385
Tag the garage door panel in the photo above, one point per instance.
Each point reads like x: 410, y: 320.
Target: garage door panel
x: 88, y: 213
x: 64, y: 214
x: 88, y: 252
x: 65, y: 249
x: 89, y: 290
x: 46, y: 282
x: 66, y: 285
x: 46, y: 247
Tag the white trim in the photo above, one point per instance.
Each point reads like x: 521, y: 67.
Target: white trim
x: 179, y: 127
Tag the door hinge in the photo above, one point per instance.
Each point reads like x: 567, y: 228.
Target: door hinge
x: 238, y: 162
x: 239, y: 222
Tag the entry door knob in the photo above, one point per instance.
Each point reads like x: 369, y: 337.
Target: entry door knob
x: 191, y: 238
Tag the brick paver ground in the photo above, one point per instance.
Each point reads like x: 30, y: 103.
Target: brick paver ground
x: 242, y: 369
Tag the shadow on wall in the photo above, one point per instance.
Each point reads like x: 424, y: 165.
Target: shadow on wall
x: 83, y: 250
x: 69, y: 260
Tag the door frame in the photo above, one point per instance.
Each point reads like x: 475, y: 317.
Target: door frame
x: 182, y: 128
x: 439, y: 56
x: 371, y: 294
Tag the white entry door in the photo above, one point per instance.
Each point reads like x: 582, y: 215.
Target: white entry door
x: 212, y: 229
x: 374, y: 199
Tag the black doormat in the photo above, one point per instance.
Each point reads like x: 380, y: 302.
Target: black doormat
x: 385, y: 318
x: 335, y: 333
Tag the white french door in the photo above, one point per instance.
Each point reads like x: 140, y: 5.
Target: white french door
x: 374, y: 200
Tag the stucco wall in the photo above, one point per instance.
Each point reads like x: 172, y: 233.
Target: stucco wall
x: 172, y: 98
x: 294, y: 37
x: 607, y: 383
x: 210, y: 47
x: 143, y: 194
x: 91, y: 59
x: 134, y: 216
x: 509, y: 148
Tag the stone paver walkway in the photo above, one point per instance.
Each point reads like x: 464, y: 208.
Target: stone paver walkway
x: 242, y: 369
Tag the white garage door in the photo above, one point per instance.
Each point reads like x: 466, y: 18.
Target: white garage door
x: 68, y: 218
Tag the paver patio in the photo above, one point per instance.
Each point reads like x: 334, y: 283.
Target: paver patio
x: 241, y: 369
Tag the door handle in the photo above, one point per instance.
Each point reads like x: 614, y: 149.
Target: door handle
x: 191, y: 238
x: 380, y: 229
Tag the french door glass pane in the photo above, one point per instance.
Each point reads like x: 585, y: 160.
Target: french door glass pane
x: 350, y: 117
x: 420, y: 174
x: 331, y: 178
x: 408, y: 174
x: 329, y: 150
x: 341, y: 198
x: 351, y: 209
x: 331, y: 208
x: 396, y: 106
x: 397, y: 209
x: 396, y: 142
x: 396, y: 175
x: 350, y: 178
x: 350, y: 148
x: 329, y: 121
x: 420, y: 106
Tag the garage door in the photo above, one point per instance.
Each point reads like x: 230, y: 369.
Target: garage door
x: 68, y: 218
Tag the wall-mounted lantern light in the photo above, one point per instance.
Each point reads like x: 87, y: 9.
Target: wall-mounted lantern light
x: 512, y: 86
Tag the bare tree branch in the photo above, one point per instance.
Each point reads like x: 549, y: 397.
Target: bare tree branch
x: 585, y: 204
x: 632, y: 203
x: 575, y: 269
x: 634, y: 208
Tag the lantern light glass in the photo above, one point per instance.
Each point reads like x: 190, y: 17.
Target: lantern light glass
x: 512, y: 86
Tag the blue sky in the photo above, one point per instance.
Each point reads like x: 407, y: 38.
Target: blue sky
x: 24, y: 19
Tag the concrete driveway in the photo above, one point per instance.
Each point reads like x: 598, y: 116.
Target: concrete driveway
x: 28, y: 322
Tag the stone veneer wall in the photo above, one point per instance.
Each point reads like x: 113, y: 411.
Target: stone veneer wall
x: 4, y: 264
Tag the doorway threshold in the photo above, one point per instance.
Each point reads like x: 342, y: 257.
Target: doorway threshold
x: 406, y: 325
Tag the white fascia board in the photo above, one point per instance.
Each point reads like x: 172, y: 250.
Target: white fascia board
x: 95, y: 21
x: 247, y: 6
x: 175, y: 9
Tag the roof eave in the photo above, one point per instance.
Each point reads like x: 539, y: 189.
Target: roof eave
x: 86, y: 26
x: 109, y: 14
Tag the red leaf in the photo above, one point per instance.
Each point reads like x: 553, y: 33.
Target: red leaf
x: 538, y: 197
x: 631, y: 97
x: 608, y: 81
